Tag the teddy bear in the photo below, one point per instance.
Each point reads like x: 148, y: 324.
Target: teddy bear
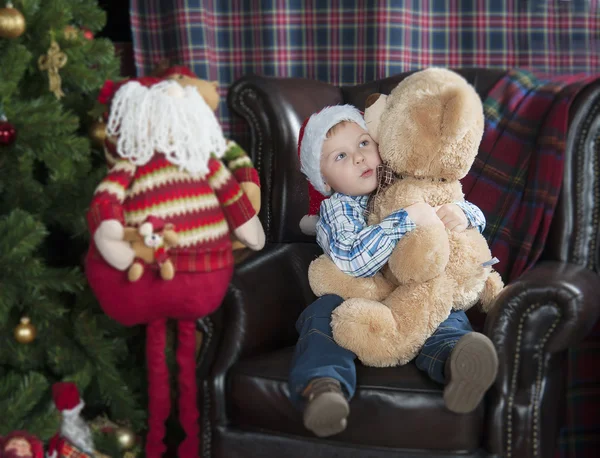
x: 151, y: 243
x: 235, y: 157
x: 428, y: 129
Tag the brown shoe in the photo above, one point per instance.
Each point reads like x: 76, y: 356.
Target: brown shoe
x: 470, y: 371
x: 327, y: 410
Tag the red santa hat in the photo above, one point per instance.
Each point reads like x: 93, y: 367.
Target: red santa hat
x: 152, y: 224
x: 66, y: 397
x: 177, y: 70
x: 310, y: 145
x: 110, y: 88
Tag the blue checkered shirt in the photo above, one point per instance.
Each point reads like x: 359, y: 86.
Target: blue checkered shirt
x: 361, y: 250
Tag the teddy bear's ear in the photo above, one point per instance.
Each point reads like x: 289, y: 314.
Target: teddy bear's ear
x: 372, y: 99
x: 375, y: 106
x: 145, y: 229
x: 461, y: 110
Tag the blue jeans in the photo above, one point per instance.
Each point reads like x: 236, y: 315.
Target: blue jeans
x: 317, y: 355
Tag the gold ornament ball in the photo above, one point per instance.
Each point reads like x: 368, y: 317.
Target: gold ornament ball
x: 97, y: 132
x: 25, y: 332
x: 125, y: 437
x: 12, y: 22
x: 70, y: 32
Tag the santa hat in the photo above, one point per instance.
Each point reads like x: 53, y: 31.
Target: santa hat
x: 151, y: 225
x: 310, y: 145
x: 110, y: 88
x: 66, y: 397
x: 177, y: 70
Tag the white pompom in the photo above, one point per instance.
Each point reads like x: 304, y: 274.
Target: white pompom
x: 308, y: 224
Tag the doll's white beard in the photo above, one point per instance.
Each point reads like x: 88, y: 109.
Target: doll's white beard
x: 75, y: 430
x: 148, y: 120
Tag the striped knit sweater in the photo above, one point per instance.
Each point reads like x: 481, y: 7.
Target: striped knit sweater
x: 203, y: 209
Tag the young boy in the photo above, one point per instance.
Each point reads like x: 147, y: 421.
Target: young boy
x: 340, y: 159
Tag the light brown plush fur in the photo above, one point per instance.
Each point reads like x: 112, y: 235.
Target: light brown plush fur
x: 429, y: 129
x: 147, y: 253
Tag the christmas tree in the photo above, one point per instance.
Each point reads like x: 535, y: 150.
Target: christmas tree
x: 51, y: 327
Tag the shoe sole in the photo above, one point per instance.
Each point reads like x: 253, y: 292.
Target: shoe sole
x: 473, y: 369
x: 327, y: 414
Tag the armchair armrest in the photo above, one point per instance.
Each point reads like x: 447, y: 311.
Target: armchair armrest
x: 268, y: 292
x: 533, y: 321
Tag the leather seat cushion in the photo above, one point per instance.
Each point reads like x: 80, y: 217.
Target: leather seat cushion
x: 404, y: 407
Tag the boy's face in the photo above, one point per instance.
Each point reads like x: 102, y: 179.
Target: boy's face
x: 349, y: 160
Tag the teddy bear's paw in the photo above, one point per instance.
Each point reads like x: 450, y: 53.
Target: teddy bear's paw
x: 493, y: 287
x: 167, y: 270
x: 421, y: 255
x: 325, y: 277
x: 368, y: 329
x: 135, y: 272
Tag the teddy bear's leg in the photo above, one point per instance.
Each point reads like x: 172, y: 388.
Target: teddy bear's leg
x: 167, y: 270
x: 366, y: 328
x: 418, y: 310
x: 326, y: 278
x: 135, y: 271
x: 493, y: 287
x: 421, y: 255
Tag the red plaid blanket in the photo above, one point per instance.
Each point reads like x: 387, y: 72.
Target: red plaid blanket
x: 516, y: 181
x: 517, y: 175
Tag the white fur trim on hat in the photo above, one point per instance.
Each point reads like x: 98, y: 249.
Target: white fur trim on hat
x: 315, y: 132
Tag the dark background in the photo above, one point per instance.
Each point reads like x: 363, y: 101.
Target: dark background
x: 118, y: 27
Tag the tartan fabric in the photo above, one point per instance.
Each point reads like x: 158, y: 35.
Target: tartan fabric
x: 70, y: 451
x: 385, y: 177
x: 516, y: 180
x: 357, y: 41
x: 517, y: 174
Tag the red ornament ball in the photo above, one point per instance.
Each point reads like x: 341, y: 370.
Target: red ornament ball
x: 87, y: 34
x: 8, y: 134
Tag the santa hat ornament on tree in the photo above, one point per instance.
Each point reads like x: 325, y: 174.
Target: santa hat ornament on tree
x: 310, y: 145
x: 75, y: 436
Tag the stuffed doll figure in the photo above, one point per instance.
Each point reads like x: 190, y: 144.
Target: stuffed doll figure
x: 235, y: 158
x: 163, y: 149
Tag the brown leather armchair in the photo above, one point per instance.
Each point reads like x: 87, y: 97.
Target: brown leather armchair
x: 396, y: 411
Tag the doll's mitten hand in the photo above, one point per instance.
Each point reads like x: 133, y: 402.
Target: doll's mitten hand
x: 109, y: 241
x: 251, y: 234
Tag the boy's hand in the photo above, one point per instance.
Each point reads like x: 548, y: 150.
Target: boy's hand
x: 453, y: 217
x: 422, y: 214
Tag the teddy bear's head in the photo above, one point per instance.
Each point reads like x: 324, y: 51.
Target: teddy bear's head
x: 430, y: 125
x: 184, y: 76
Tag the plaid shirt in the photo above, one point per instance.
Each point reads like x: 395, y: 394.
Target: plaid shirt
x: 361, y: 250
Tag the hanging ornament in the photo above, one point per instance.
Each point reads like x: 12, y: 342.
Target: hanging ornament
x: 53, y: 61
x: 97, y: 132
x: 25, y: 332
x: 125, y: 437
x: 12, y: 22
x: 71, y: 32
x: 8, y: 133
x: 87, y: 34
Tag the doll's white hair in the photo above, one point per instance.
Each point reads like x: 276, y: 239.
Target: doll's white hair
x: 165, y: 118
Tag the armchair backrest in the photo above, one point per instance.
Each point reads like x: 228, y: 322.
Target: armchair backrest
x: 276, y: 107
